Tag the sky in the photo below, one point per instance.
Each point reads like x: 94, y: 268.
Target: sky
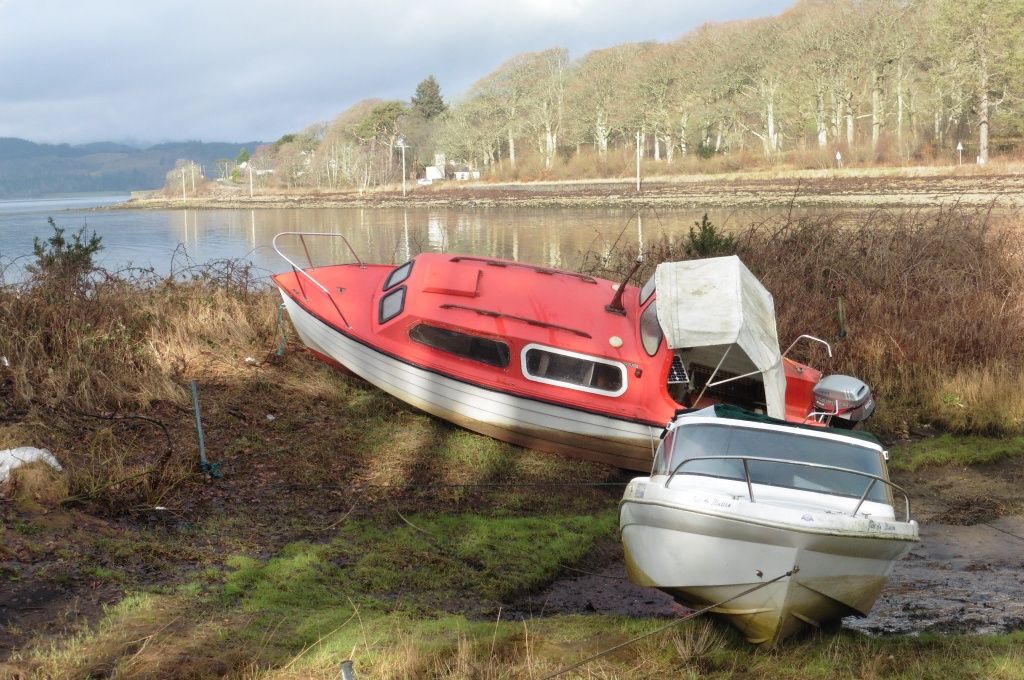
x: 147, y: 71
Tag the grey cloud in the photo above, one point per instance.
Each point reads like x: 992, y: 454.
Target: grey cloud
x: 232, y: 69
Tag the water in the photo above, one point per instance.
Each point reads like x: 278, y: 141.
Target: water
x: 169, y: 240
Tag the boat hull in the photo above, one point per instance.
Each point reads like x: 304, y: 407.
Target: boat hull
x: 707, y: 555
x: 501, y: 415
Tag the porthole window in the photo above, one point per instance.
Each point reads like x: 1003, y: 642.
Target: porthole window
x: 392, y: 304
x: 398, y: 276
x: 476, y: 348
x: 647, y: 291
x: 575, y: 371
x: 650, y: 329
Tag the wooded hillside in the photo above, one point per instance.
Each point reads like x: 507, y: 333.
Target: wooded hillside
x: 879, y: 81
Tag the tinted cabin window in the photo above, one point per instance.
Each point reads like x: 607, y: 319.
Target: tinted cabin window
x: 694, y: 441
x: 577, y: 372
x: 650, y: 329
x: 391, y: 305
x: 399, y: 275
x: 484, y: 350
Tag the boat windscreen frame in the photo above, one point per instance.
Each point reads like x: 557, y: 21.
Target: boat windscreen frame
x: 671, y: 442
x: 575, y: 355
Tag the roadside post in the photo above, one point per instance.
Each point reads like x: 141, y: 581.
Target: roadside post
x: 960, y: 152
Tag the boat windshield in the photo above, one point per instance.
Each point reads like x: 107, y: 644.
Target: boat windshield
x: 729, y: 441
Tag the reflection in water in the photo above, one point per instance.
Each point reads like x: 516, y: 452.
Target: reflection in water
x: 552, y: 237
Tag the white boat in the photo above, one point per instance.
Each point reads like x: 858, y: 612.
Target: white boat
x: 737, y: 499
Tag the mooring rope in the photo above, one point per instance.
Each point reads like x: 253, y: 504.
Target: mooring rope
x: 676, y: 622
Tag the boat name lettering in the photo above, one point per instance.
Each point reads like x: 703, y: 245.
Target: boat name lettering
x: 712, y: 500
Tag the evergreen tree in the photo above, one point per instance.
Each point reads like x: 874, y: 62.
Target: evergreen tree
x: 428, y: 102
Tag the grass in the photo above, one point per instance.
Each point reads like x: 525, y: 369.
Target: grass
x: 962, y: 451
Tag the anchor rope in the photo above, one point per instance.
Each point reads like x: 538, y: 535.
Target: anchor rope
x: 676, y: 622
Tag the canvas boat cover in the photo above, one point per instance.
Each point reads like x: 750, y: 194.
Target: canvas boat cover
x: 712, y: 306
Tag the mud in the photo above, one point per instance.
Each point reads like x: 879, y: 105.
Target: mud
x: 960, y: 579
x: 798, y: 189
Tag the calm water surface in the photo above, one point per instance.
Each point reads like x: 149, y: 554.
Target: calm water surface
x: 169, y: 240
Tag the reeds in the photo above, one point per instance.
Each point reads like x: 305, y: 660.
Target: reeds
x: 932, y: 304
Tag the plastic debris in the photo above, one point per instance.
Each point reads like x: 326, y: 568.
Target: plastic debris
x: 271, y: 417
x: 22, y: 455
x: 251, y: 361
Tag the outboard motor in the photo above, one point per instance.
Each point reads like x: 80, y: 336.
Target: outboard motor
x: 847, y: 399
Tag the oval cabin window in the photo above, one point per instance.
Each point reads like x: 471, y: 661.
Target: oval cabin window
x: 575, y: 371
x: 650, y: 329
x: 473, y: 347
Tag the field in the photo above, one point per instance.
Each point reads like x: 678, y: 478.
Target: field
x: 345, y: 525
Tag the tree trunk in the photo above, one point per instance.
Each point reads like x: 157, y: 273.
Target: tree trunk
x: 718, y: 138
x: 876, y: 109
x: 657, y: 147
x: 848, y: 106
x: 769, y: 132
x: 511, y: 147
x: 983, y: 112
x: 819, y: 114
x: 601, y: 133
x: 669, y: 148
x: 899, y: 107
x: 683, y: 120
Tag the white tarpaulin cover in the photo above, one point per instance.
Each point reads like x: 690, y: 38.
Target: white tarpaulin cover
x: 713, y: 305
x: 12, y: 458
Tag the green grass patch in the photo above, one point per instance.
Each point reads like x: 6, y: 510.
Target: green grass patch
x: 432, y: 561
x: 954, y: 450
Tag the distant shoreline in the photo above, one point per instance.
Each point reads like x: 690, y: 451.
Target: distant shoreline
x: 864, y: 189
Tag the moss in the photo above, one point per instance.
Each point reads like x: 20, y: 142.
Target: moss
x: 954, y: 450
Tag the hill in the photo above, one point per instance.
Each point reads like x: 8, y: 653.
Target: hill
x: 30, y: 169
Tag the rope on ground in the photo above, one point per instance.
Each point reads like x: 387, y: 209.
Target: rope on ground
x: 676, y: 622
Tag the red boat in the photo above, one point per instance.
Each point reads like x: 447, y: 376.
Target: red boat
x: 550, y: 359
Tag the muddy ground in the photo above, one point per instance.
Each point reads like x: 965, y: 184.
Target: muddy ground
x: 960, y: 579
x: 812, y: 189
x: 60, y: 567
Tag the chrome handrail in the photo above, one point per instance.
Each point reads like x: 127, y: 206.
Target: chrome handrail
x: 304, y: 273
x: 750, y: 487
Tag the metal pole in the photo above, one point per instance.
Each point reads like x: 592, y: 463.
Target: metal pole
x: 183, y: 184
x: 199, y: 427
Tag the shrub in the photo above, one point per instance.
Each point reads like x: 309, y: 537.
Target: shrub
x: 68, y: 264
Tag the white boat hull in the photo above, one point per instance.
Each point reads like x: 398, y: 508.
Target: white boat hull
x: 705, y: 549
x: 527, y: 422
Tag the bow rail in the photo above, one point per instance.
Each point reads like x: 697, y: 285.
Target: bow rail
x: 301, y: 273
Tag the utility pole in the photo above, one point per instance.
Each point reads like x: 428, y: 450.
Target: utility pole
x: 192, y: 171
x: 183, y: 184
x: 401, y: 144
x: 638, y: 161
x: 250, y: 180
